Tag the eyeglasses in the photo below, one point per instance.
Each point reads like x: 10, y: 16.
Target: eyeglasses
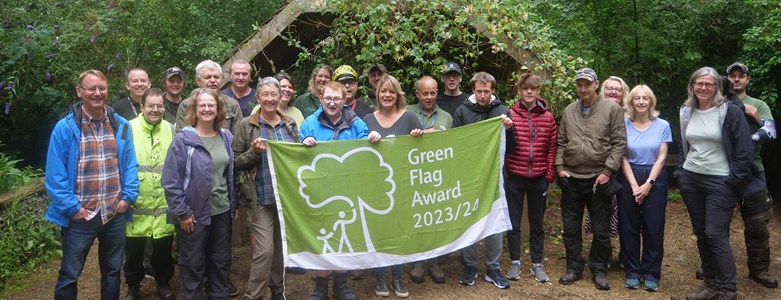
x: 348, y: 82
x: 704, y: 85
x: 203, y: 106
x: 95, y: 89
x: 332, y: 100
x: 614, y: 89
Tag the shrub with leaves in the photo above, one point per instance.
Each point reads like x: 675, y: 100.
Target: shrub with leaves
x: 417, y: 37
x: 27, y: 238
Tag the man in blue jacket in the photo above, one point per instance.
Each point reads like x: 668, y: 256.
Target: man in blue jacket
x: 92, y: 179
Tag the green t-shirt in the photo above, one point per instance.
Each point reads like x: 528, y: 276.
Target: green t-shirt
x: 706, y: 148
x: 764, y: 114
x: 220, y: 159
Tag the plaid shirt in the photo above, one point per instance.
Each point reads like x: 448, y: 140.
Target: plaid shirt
x: 263, y: 175
x: 97, y: 176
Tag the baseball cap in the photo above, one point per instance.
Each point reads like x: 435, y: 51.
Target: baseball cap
x: 737, y: 64
x: 174, y: 71
x: 586, y: 73
x: 451, y: 67
x: 344, y: 72
x: 380, y: 67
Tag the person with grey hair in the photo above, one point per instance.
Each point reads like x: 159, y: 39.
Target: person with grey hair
x: 240, y: 76
x: 715, y: 162
x: 256, y: 191
x: 208, y: 75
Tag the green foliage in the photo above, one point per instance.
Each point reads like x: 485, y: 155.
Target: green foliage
x: 417, y: 37
x: 762, y: 52
x: 47, y: 44
x: 28, y: 239
x: 10, y: 175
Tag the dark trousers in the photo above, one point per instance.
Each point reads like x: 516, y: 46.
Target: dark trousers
x: 575, y: 196
x: 757, y: 236
x: 207, y: 250
x: 536, y: 191
x: 642, y: 220
x: 161, y: 260
x: 711, y: 201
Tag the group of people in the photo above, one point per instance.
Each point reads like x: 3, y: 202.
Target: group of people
x: 158, y: 166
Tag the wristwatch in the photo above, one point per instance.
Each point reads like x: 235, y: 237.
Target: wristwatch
x: 651, y: 181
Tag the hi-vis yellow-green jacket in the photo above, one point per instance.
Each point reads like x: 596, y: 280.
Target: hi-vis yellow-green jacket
x: 149, y: 212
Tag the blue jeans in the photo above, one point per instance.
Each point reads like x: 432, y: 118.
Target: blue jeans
x: 396, y: 272
x: 76, y: 243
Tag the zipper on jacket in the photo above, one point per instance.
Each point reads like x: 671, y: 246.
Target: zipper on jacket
x: 532, y: 137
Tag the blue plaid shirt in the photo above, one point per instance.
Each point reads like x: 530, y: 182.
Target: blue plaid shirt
x: 263, y: 175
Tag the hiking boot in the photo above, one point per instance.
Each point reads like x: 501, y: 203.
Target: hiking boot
x: 723, y: 294
x: 703, y: 292
x: 165, y: 292
x: 538, y: 271
x: 416, y: 273
x: 133, y: 292
x: 381, y: 289
x: 321, y: 289
x: 399, y: 289
x: 469, y: 276
x: 632, y: 283
x: 278, y: 296
x: 765, y: 279
x: 569, y: 277
x: 515, y: 271
x: 436, y: 273
x: 600, y: 281
x: 495, y: 276
x: 340, y: 289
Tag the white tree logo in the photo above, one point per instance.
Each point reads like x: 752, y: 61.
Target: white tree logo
x: 348, y: 215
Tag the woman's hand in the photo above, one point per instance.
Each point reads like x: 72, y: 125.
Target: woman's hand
x: 416, y: 132
x: 374, y: 137
x: 188, y: 225
x: 641, y: 192
x: 309, y: 141
x: 258, y: 146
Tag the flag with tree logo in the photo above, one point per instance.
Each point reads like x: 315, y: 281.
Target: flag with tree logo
x: 354, y: 205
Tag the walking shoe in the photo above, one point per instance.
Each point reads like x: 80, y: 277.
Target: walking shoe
x: 600, y: 281
x: 469, y: 276
x: 765, y: 279
x: 321, y: 290
x: 699, y: 275
x: 341, y: 290
x: 149, y: 272
x: 538, y: 271
x: 278, y: 296
x: 723, y: 294
x: 436, y: 273
x: 515, y: 271
x: 495, y: 276
x: 632, y: 283
x: 703, y: 292
x: 357, y: 274
x: 650, y: 285
x: 569, y: 277
x: 165, y: 292
x: 399, y: 289
x: 381, y: 289
x: 133, y: 292
x: 416, y: 273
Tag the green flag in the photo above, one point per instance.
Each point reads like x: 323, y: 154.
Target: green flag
x: 347, y: 205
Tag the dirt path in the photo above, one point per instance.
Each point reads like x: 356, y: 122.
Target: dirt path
x: 680, y: 262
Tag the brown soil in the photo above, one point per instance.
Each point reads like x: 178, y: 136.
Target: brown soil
x: 680, y: 262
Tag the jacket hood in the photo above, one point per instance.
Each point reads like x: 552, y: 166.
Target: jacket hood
x: 471, y: 103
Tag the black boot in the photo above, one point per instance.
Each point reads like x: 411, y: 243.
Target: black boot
x: 321, y: 289
x: 341, y: 290
x: 133, y: 292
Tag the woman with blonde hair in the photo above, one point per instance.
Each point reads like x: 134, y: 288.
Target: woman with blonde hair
x: 309, y: 102
x: 642, y: 199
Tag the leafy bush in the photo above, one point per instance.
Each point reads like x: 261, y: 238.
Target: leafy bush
x: 27, y: 238
x: 417, y: 37
x: 10, y: 175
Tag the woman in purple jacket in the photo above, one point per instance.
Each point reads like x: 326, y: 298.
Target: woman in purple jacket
x: 198, y: 182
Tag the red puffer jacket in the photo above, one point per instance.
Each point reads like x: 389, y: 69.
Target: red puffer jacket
x: 535, y: 133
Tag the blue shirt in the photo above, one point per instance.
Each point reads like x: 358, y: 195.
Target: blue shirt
x: 642, y: 147
x: 246, y: 102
